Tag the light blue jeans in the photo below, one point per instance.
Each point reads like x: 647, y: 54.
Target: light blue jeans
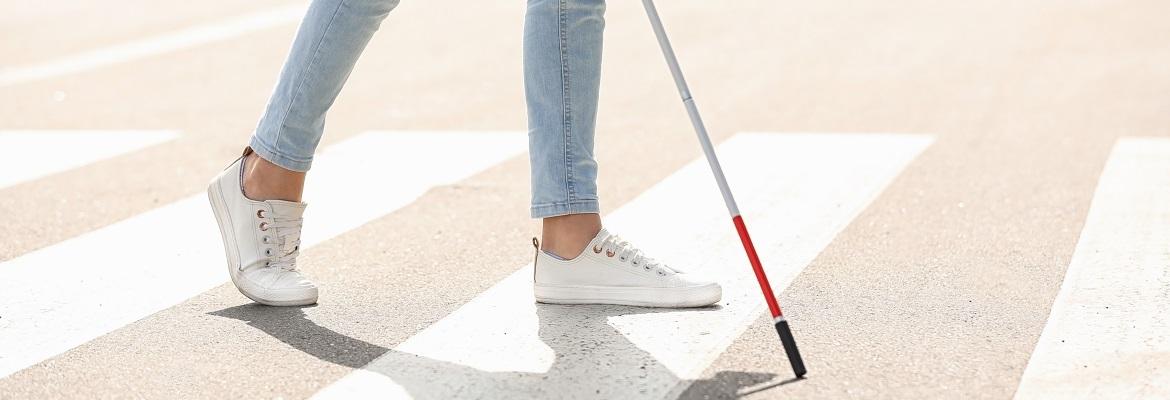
x: 562, y: 70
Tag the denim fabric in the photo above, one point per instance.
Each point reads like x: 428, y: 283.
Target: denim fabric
x: 562, y: 67
x: 562, y: 73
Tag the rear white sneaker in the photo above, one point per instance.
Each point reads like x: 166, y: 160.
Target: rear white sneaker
x: 262, y: 240
x: 611, y: 271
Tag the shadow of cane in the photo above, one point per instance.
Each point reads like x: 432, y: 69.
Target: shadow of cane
x: 591, y: 359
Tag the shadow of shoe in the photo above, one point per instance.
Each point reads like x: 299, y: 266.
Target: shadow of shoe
x: 291, y: 326
x: 589, y: 358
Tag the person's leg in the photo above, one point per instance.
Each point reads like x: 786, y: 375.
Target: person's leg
x: 256, y: 200
x: 579, y: 261
x: 562, y: 72
x: 327, y: 46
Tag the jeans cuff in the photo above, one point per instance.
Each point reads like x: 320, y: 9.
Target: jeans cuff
x: 565, y: 208
x: 271, y: 155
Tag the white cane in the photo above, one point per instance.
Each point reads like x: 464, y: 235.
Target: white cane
x: 781, y: 323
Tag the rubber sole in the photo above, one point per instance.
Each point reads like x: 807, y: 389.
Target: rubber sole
x: 686, y: 297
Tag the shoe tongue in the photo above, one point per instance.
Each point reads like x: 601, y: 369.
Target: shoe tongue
x: 601, y: 235
x: 287, y: 209
x: 604, y: 234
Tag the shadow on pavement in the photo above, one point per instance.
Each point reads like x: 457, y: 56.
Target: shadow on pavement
x: 731, y: 384
x: 592, y: 360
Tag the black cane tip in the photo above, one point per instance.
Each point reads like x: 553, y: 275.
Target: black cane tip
x: 790, y: 349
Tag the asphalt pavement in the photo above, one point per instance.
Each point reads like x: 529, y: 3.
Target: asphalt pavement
x: 954, y: 200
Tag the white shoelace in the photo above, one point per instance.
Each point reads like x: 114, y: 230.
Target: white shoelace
x: 626, y: 252
x: 287, y: 235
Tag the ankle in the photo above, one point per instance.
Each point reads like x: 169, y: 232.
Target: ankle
x: 264, y: 180
x: 566, y: 236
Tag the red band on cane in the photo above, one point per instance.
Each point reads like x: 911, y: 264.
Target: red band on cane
x: 759, y: 269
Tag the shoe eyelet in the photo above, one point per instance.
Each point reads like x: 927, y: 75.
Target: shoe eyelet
x: 266, y: 239
x: 647, y: 267
x: 264, y: 226
x: 596, y: 249
x: 268, y: 252
x: 260, y: 213
x: 623, y: 259
x: 609, y: 254
x: 635, y: 263
x: 661, y: 273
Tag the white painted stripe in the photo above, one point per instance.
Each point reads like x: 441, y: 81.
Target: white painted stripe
x: 26, y: 155
x: 798, y: 192
x: 61, y: 296
x: 1108, y: 335
x: 190, y: 37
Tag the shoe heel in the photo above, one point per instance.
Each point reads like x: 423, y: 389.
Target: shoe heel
x: 224, y: 221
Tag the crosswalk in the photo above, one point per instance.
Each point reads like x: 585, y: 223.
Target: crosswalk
x: 168, y: 42
x: 1109, y: 332
x: 810, y: 189
x: 1106, y: 335
x: 64, y: 295
x: 26, y: 155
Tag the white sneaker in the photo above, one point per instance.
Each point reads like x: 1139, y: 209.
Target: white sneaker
x: 611, y: 271
x: 262, y: 240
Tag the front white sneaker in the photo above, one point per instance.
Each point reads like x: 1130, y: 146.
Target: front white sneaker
x: 611, y: 271
x: 262, y: 240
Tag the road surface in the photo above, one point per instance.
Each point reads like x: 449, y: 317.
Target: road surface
x: 953, y: 199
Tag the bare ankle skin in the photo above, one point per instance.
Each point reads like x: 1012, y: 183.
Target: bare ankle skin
x: 567, y: 235
x: 264, y: 180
